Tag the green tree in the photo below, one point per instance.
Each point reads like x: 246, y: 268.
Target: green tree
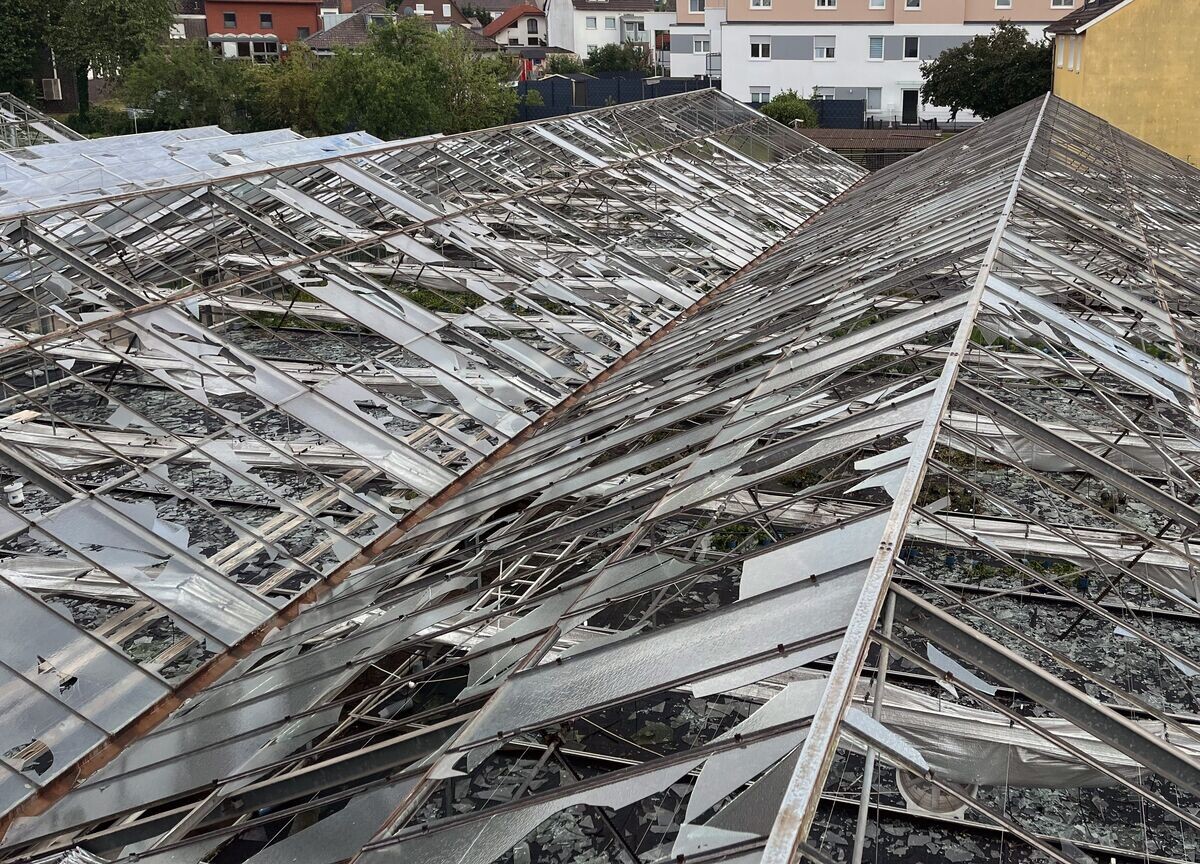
x: 106, y: 36
x: 289, y: 92
x: 23, y: 29
x: 471, y: 91
x: 470, y: 10
x: 186, y: 84
x: 626, y: 57
x: 563, y: 64
x: 989, y: 74
x: 788, y: 106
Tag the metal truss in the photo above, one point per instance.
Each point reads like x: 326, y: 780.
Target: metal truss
x: 232, y: 364
x: 22, y: 125
x: 890, y: 530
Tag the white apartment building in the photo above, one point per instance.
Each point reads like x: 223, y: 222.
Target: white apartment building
x: 844, y: 49
x: 581, y: 25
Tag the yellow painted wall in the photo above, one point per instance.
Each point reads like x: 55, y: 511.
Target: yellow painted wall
x: 1141, y: 72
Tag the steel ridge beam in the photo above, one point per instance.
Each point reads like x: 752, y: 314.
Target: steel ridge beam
x: 800, y: 801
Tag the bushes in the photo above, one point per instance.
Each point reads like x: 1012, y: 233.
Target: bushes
x: 101, y: 121
x: 787, y: 107
x: 408, y: 80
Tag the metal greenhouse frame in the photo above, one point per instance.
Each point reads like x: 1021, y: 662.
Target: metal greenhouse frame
x: 645, y: 485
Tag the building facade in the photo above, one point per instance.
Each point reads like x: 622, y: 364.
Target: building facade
x: 582, y: 25
x: 1101, y: 63
x: 845, y: 49
x: 519, y: 26
x: 259, y: 29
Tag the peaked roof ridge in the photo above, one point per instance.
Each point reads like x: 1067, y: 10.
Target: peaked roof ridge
x: 803, y: 793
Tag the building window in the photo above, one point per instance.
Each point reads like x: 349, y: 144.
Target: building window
x: 760, y: 4
x: 912, y: 47
x: 700, y: 45
x: 590, y: 22
x: 878, y: 4
x: 1003, y: 4
x: 760, y: 48
x: 695, y: 5
x: 610, y: 23
x: 875, y: 48
x: 760, y: 95
x: 531, y: 26
x: 1078, y: 54
x: 912, y: 4
x: 823, y: 47
x: 874, y: 98
x: 823, y: 93
x: 229, y: 19
x: 445, y: 10
x: 265, y: 21
x: 1061, y: 4
x: 826, y: 4
x: 303, y: 32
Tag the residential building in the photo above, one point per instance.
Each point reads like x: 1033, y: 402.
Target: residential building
x: 259, y: 29
x: 353, y: 30
x: 521, y: 25
x: 581, y: 25
x: 190, y: 21
x: 437, y: 11
x: 846, y: 49
x: 532, y: 59
x: 1133, y: 63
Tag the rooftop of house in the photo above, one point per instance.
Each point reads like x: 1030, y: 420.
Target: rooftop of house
x: 438, y: 11
x: 355, y: 31
x: 510, y: 17
x: 1077, y: 19
x: 615, y: 5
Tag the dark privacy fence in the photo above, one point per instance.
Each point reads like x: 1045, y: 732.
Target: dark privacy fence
x: 840, y: 113
x: 567, y: 96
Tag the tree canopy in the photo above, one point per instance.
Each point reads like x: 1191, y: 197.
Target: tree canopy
x: 990, y: 73
x: 789, y: 106
x: 105, y: 36
x: 563, y: 64
x: 625, y: 57
x: 407, y: 80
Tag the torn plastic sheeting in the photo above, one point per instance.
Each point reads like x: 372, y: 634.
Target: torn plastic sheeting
x: 739, y: 634
x: 974, y: 746
x: 483, y: 839
x: 826, y: 552
x: 724, y: 772
x: 337, y: 837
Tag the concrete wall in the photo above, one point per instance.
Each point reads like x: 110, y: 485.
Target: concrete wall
x: 1138, y: 69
